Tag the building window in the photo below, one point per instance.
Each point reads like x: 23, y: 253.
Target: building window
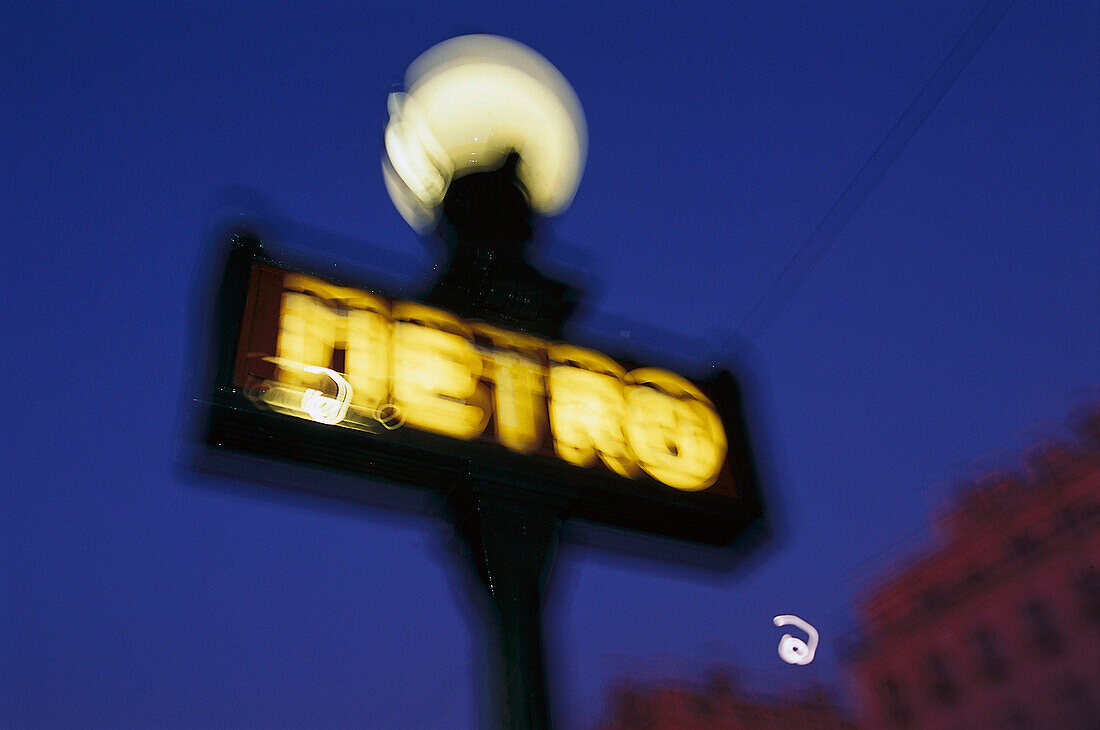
x: 896, y: 709
x: 1077, y: 704
x: 1040, y: 625
x: 1068, y: 519
x: 974, y: 577
x: 931, y: 599
x: 1023, y: 546
x: 969, y: 584
x: 940, y: 685
x: 1017, y: 718
x: 987, y: 655
x: 1087, y: 590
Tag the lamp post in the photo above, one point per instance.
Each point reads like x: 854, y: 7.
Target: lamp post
x: 488, y: 137
x: 471, y: 393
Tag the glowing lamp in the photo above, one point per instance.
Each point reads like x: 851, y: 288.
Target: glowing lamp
x: 470, y: 102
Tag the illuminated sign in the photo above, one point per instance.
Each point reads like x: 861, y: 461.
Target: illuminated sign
x: 349, y: 358
x: 448, y: 394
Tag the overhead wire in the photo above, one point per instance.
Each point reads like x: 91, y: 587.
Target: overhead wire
x: 840, y: 213
x: 870, y: 173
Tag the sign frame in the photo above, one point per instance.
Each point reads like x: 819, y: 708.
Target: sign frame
x: 712, y: 516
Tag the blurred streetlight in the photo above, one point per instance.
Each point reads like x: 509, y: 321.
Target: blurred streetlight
x: 470, y: 102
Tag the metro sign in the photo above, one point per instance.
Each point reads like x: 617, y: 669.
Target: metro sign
x: 420, y: 395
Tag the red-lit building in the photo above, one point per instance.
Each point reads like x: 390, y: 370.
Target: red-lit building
x: 998, y: 626
x: 717, y: 704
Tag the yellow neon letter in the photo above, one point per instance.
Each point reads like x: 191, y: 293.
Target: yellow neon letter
x: 310, y: 331
x: 673, y: 429
x: 517, y: 387
x: 436, y: 372
x: 587, y: 409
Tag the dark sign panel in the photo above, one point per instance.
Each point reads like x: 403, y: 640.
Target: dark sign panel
x: 325, y: 373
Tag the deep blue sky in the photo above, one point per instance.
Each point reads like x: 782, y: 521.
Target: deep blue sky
x: 952, y: 321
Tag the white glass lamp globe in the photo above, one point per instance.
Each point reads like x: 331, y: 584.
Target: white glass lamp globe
x: 469, y: 102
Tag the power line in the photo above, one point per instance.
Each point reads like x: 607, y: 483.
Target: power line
x: 872, y: 171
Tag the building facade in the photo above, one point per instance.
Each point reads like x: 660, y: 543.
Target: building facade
x: 717, y: 704
x: 998, y: 625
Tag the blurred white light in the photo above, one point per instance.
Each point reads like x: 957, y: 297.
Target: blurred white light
x: 322, y: 408
x: 470, y: 101
x: 792, y: 649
